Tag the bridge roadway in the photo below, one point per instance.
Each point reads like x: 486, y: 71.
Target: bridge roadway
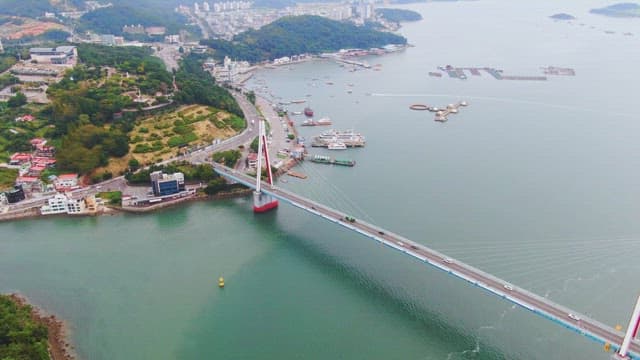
x: 577, y: 322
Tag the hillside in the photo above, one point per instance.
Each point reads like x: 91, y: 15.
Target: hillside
x: 112, y: 19
x: 398, y: 15
x: 562, y: 16
x: 619, y: 10
x: 298, y: 35
x: 37, y: 8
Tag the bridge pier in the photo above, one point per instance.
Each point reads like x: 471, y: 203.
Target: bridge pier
x: 263, y: 202
x: 632, y: 332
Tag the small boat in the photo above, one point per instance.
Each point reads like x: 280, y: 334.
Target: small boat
x: 308, y: 112
x: 324, y: 121
x: 299, y: 101
x: 221, y: 282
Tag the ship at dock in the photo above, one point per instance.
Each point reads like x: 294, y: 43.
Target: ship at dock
x: 334, y: 137
x: 321, y: 159
x: 311, y: 122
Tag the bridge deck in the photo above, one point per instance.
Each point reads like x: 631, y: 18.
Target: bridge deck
x: 544, y: 307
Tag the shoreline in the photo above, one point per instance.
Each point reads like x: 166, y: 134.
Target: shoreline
x: 59, y: 346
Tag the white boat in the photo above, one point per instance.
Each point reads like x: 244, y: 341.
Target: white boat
x: 324, y: 121
x: 337, y: 145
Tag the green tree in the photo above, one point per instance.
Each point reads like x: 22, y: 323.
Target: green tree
x: 21, y: 337
x: 215, y: 186
x: 17, y: 100
x: 134, y: 164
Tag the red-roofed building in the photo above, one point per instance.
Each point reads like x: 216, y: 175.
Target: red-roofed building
x: 45, y: 151
x: 19, y: 158
x: 44, y: 161
x: 29, y: 183
x: 252, y: 160
x: 66, y: 182
x: 35, y: 170
x: 37, y: 142
x: 25, y: 118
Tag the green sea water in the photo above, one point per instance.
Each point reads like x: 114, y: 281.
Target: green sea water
x: 535, y: 182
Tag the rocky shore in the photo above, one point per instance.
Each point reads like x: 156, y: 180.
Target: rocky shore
x: 59, y: 346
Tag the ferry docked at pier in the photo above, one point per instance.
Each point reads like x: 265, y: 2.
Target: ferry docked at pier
x: 311, y: 122
x: 348, y: 137
x: 321, y: 159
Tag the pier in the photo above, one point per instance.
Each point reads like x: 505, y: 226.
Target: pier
x: 353, y: 62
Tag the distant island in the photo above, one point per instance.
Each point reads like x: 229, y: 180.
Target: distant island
x: 293, y: 35
x: 398, y: 15
x: 562, y: 16
x: 619, y: 10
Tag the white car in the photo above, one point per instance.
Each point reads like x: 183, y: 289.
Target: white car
x: 508, y: 287
x: 573, y: 316
x: 448, y: 260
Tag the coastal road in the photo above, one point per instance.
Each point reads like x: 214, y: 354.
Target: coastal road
x: 244, y: 138
x: 541, y: 306
x: 278, y: 134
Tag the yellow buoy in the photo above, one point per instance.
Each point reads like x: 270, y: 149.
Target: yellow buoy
x: 618, y: 327
x: 221, y: 282
x: 607, y: 347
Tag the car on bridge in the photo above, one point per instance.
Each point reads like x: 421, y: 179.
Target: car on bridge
x: 573, y: 317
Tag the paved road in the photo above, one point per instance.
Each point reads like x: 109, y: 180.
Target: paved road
x: 539, y: 305
x: 278, y: 128
x: 244, y: 138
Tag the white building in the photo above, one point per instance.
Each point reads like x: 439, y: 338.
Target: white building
x: 58, y: 55
x: 55, y: 205
x: 229, y: 70
x: 66, y: 181
x: 75, y: 206
x: 61, y: 204
x: 205, y: 7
